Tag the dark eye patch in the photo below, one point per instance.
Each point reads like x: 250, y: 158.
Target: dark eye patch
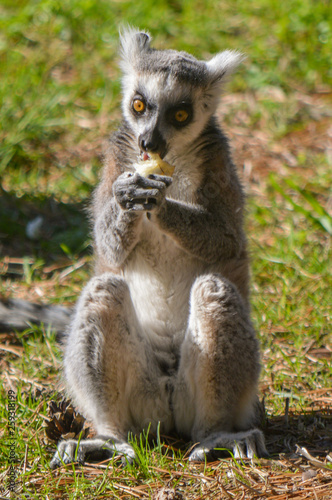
x: 180, y: 115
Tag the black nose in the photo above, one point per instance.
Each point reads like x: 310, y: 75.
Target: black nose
x: 152, y: 140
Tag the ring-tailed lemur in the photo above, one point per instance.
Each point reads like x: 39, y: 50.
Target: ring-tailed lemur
x: 162, y: 334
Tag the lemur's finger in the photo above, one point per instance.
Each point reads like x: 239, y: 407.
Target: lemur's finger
x: 153, y: 180
x: 161, y: 178
x: 136, y: 194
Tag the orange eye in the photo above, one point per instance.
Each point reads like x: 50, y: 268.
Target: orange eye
x: 138, y: 105
x: 181, y: 115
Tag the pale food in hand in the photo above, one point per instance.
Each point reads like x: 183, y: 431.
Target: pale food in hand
x: 154, y: 165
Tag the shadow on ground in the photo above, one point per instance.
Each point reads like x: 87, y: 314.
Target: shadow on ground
x: 63, y: 227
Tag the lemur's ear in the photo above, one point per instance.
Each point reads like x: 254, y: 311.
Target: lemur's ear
x: 133, y: 43
x: 219, y: 68
x: 222, y: 65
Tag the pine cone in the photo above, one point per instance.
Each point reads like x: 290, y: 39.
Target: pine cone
x: 64, y: 422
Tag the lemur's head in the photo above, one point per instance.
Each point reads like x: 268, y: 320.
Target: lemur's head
x: 169, y: 96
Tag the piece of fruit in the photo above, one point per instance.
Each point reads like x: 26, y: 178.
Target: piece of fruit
x: 154, y: 165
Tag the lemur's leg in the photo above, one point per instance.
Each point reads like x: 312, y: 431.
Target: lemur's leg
x: 111, y: 373
x: 215, y: 395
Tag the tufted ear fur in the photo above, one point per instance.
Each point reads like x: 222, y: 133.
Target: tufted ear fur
x: 219, y: 68
x: 133, y: 43
x: 222, y: 65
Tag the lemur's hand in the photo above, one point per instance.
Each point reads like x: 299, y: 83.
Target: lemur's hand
x: 136, y: 193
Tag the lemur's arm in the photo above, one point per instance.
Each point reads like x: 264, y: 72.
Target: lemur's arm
x: 209, y: 235
x: 116, y: 231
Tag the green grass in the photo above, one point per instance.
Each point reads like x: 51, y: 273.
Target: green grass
x: 60, y: 96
